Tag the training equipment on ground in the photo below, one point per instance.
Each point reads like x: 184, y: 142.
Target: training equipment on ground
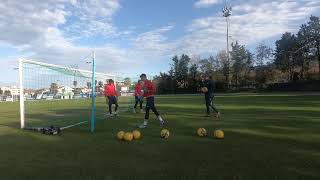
x: 136, y: 134
x: 47, y: 130
x: 219, y: 134
x: 164, y: 133
x: 204, y: 89
x: 128, y: 136
x: 120, y: 135
x: 47, y: 90
x: 202, y: 132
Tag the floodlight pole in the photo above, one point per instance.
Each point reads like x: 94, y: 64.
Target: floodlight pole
x: 228, y: 53
x: 93, y: 87
x: 226, y: 13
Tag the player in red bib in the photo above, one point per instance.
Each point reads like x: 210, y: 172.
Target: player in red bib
x: 110, y: 93
x: 149, y: 91
x: 138, y: 93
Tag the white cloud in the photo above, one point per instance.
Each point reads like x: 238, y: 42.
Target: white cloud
x: 34, y: 28
x: 54, y: 48
x: 24, y: 21
x: 154, y: 41
x: 93, y: 18
x: 251, y: 22
x: 43, y: 29
x: 89, y: 9
x: 206, y: 3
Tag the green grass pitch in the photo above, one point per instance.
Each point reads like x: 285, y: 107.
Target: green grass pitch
x: 267, y: 136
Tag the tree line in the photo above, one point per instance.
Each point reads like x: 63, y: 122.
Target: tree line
x: 5, y: 93
x: 295, y: 58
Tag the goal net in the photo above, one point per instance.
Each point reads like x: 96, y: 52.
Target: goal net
x: 59, y: 96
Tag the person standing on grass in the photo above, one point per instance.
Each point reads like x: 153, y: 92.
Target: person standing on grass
x: 138, y: 93
x: 110, y: 93
x: 207, y: 87
x: 149, y: 91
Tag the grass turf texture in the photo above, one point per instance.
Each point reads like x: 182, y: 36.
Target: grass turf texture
x: 267, y: 136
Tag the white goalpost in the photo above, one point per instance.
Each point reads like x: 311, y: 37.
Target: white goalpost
x: 59, y: 96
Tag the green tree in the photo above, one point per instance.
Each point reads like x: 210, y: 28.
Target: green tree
x: 301, y: 54
x: 75, y: 83
x: 193, y: 76
x: 1, y: 92
x: 54, y: 88
x: 96, y: 86
x: 263, y: 54
x: 248, y: 68
x: 100, y: 86
x: 205, y: 66
x: 284, y: 53
x: 180, y: 67
x: 175, y: 66
x: 127, y: 81
x: 314, y: 33
x: 222, y: 57
x: 239, y: 58
x: 309, y: 37
x: 89, y: 85
x: 7, y: 93
x: 193, y: 71
x: 209, y: 65
x: 172, y: 81
x: 183, y: 68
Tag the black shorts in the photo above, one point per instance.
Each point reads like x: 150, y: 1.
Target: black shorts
x: 112, y: 100
x: 139, y: 98
x: 150, y: 102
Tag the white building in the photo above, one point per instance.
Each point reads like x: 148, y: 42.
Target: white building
x: 66, y: 92
x: 14, y: 90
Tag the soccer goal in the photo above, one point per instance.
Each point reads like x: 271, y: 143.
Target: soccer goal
x: 60, y: 96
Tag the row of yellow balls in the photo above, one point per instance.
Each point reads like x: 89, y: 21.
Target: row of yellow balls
x: 134, y: 135
x: 129, y: 136
x: 219, y: 134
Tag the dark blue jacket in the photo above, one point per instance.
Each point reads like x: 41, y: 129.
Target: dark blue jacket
x: 210, y: 85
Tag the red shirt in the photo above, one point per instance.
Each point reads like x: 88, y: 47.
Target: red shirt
x: 138, y: 90
x: 110, y: 90
x: 149, y: 89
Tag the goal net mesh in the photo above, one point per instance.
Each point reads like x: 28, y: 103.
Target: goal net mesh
x: 60, y: 96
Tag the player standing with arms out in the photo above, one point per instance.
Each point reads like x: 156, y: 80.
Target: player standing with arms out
x: 138, y: 93
x: 149, y: 91
x: 208, y: 86
x: 111, y: 96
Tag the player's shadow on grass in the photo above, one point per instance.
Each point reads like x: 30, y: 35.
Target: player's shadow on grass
x: 11, y: 125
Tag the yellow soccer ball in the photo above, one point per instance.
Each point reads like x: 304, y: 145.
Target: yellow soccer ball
x: 219, y: 134
x: 128, y: 136
x: 164, y: 133
x: 202, y: 132
x: 204, y: 89
x: 136, y: 134
x: 120, y: 135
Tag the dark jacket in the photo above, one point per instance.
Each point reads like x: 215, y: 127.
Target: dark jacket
x: 210, y: 85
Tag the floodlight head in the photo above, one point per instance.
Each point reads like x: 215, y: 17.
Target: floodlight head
x: 226, y: 11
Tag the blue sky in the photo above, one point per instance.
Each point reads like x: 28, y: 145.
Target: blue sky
x: 135, y: 36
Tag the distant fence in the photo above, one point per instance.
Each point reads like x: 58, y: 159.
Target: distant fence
x: 313, y: 85
x: 309, y: 85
